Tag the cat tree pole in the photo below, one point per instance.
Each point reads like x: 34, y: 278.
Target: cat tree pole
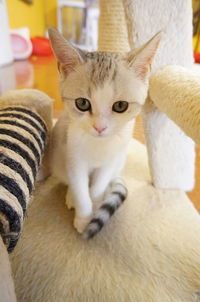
x: 171, y: 152
x: 113, y: 34
x: 181, y: 100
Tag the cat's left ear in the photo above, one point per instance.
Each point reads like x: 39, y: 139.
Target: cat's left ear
x: 68, y: 57
x: 140, y: 59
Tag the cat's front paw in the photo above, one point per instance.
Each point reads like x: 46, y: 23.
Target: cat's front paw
x: 80, y: 223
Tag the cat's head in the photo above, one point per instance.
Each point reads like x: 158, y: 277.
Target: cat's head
x: 102, y: 91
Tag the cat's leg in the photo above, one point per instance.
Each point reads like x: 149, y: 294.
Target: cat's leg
x: 79, y: 187
x: 102, y: 177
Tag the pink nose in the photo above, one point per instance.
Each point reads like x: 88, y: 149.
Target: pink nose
x: 100, y: 129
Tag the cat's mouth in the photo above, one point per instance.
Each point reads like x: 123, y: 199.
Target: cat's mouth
x: 100, y: 135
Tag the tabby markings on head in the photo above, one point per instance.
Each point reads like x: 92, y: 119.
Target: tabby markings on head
x: 103, y: 67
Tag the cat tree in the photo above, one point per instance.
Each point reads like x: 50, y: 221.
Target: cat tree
x: 150, y: 250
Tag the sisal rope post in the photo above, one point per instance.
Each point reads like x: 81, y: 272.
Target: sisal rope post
x: 113, y: 35
x: 176, y: 92
x: 25, y: 123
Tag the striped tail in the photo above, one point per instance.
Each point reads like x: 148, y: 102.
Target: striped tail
x: 23, y: 136
x: 113, y: 200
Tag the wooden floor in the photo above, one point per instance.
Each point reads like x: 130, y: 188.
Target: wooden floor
x: 41, y: 73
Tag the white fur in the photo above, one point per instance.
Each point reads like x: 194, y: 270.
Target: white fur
x: 174, y: 17
x: 82, y: 158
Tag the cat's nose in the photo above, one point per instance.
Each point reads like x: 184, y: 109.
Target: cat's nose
x: 100, y: 129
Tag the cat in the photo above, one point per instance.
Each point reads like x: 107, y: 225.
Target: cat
x: 102, y: 93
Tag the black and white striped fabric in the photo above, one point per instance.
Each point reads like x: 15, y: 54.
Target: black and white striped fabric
x: 23, y: 136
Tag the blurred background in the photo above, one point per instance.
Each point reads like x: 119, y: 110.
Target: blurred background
x: 26, y: 59
x: 70, y: 17
x: 24, y: 41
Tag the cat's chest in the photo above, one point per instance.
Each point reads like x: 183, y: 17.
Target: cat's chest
x: 95, y: 152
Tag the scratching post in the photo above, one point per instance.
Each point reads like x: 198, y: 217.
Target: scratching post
x: 176, y: 92
x: 23, y: 139
x: 171, y: 153
x: 112, y: 27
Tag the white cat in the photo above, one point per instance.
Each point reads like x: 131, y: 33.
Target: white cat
x: 102, y: 93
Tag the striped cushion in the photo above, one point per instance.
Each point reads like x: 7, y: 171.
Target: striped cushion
x: 23, y: 136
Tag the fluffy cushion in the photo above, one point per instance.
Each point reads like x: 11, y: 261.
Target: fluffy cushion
x: 149, y: 252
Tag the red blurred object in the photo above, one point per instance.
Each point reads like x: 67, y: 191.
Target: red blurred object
x: 197, y: 57
x: 41, y: 46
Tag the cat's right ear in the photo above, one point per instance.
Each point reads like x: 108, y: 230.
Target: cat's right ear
x: 68, y: 57
x: 140, y: 59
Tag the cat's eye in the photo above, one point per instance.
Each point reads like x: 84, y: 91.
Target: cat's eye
x: 120, y: 106
x: 83, y: 104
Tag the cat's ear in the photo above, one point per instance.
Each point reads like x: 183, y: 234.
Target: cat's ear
x: 140, y: 59
x: 68, y: 56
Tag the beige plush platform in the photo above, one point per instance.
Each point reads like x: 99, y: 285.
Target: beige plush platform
x: 149, y: 252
